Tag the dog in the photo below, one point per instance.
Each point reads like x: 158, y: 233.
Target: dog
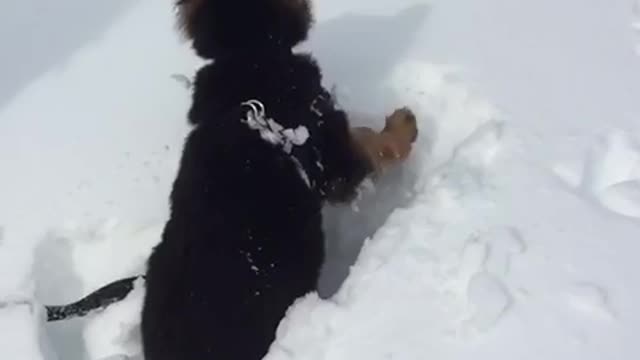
x: 267, y: 149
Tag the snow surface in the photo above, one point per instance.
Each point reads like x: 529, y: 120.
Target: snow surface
x: 511, y: 232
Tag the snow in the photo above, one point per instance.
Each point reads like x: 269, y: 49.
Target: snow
x: 511, y: 232
x: 24, y: 318
x: 116, y: 330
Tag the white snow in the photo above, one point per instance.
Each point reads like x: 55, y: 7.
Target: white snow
x: 25, y: 319
x: 511, y: 232
x: 490, y: 299
x: 116, y: 330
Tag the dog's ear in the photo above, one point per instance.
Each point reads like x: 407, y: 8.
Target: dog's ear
x: 223, y: 26
x: 186, y: 10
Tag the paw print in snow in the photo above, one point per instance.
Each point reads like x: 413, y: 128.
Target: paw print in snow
x: 591, y: 300
x: 491, y: 254
x: 610, y: 174
x: 613, y: 174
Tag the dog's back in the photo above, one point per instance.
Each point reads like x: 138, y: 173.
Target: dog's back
x: 244, y: 238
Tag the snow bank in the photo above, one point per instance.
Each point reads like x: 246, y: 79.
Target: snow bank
x: 21, y: 326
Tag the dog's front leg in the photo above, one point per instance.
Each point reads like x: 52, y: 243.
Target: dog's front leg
x: 351, y: 154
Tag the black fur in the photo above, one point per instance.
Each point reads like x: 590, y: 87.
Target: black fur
x: 244, y: 238
x: 219, y: 27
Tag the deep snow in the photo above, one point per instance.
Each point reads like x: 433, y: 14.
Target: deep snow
x: 510, y: 233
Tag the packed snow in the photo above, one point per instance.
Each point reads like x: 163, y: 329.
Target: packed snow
x: 510, y: 233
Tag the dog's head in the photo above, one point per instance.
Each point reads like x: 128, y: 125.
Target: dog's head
x: 219, y: 27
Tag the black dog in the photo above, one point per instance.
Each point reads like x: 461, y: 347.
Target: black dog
x: 267, y: 149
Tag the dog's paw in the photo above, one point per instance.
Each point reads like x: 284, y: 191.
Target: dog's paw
x: 400, y: 132
x: 402, y: 125
x: 393, y: 144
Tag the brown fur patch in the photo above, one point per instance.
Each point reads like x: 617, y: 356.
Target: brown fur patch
x: 391, y: 145
x: 186, y: 10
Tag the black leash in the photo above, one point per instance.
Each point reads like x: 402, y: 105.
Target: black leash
x: 96, y: 301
